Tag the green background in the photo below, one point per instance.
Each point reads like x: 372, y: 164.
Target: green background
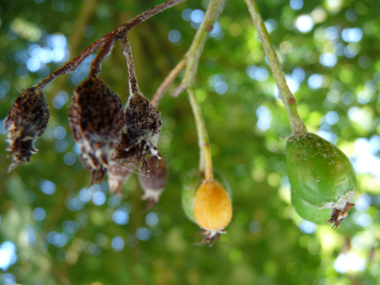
x: 266, y: 241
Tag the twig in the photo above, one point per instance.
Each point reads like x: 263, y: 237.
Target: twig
x: 149, y: 13
x: 74, y: 63
x: 133, y: 86
x: 204, y: 143
x: 104, y: 51
x: 192, y: 58
x: 193, y: 54
x: 285, y: 94
x: 168, y: 80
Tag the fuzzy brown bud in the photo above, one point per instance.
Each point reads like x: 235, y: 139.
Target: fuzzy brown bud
x: 96, y: 120
x: 155, y: 182
x: 26, y: 122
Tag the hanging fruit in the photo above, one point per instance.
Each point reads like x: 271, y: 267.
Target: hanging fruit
x: 96, y: 119
x: 321, y: 174
x: 26, y: 122
x: 143, y: 122
x: 192, y: 182
x: 154, y: 183
x: 207, y: 204
x: 212, y: 210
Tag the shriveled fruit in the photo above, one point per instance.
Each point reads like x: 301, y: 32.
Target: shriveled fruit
x: 96, y: 120
x: 27, y: 120
x: 154, y: 184
x: 309, y: 212
x: 321, y: 174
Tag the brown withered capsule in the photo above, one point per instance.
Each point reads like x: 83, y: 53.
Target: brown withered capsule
x: 155, y: 182
x: 26, y: 122
x: 96, y: 119
x: 143, y: 123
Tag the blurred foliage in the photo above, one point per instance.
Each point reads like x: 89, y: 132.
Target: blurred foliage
x: 61, y: 233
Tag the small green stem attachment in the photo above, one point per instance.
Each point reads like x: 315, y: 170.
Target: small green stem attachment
x: 204, y: 143
x: 286, y: 95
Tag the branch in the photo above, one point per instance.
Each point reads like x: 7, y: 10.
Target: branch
x: 199, y: 41
x: 151, y: 12
x: 168, y: 80
x: 285, y: 95
x: 74, y: 63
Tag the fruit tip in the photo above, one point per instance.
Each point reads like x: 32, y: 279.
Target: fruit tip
x: 338, y: 215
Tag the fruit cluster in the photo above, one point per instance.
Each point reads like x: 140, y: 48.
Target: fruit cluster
x: 112, y: 138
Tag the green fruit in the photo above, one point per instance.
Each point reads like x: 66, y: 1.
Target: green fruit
x: 309, y: 212
x: 190, y: 186
x: 321, y: 174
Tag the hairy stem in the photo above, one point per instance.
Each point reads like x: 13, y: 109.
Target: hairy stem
x: 133, y: 86
x: 104, y: 51
x: 74, y: 63
x: 286, y: 95
x: 204, y: 143
x: 168, y: 80
x: 193, y: 54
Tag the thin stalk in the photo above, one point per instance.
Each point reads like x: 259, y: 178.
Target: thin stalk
x: 285, y: 94
x: 192, y: 59
x: 104, y: 51
x: 72, y: 65
x: 193, y: 54
x: 203, y: 140
x: 133, y: 86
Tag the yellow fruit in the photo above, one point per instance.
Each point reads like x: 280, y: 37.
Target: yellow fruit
x: 212, y: 207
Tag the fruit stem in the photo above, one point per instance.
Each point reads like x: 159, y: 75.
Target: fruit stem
x: 104, y: 51
x: 132, y: 80
x: 193, y: 54
x: 192, y: 59
x: 298, y: 127
x: 205, y: 163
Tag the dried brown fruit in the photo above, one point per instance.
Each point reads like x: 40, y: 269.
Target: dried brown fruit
x: 96, y: 120
x: 26, y: 122
x: 154, y: 183
x: 143, y: 123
